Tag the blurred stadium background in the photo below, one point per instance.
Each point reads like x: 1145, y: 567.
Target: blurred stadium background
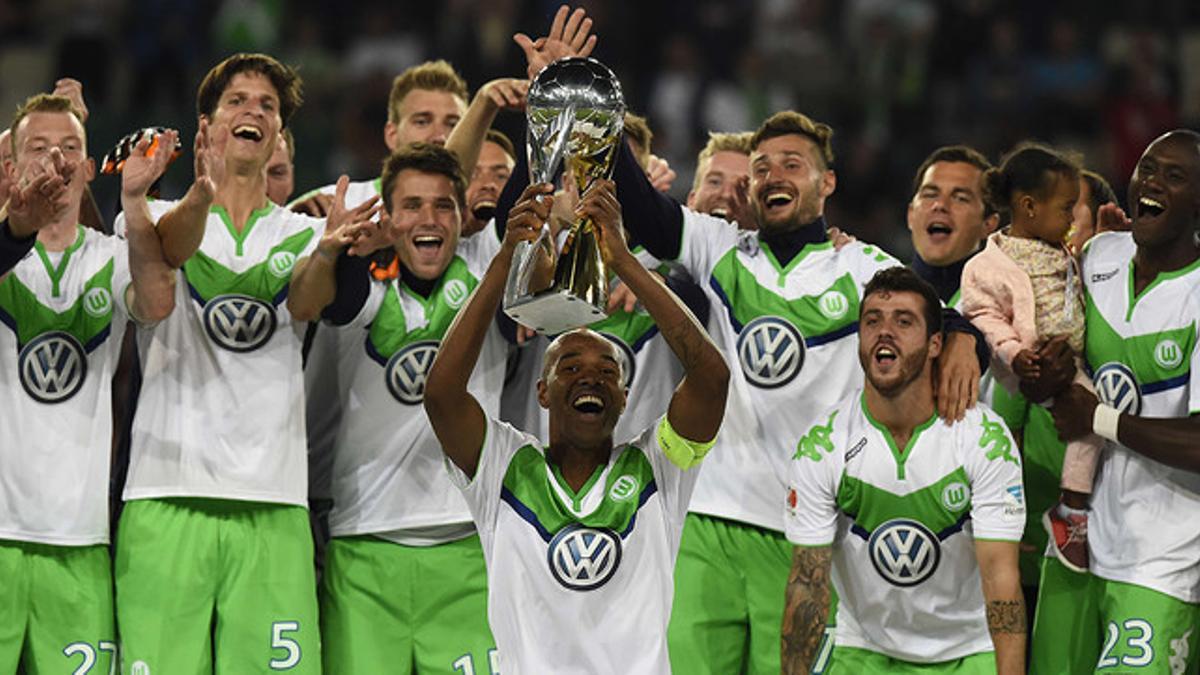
x: 895, y: 78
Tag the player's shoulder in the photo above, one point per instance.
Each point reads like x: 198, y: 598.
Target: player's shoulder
x: 701, y: 228
x: 983, y: 435
x: 1108, y: 247
x: 864, y: 259
x: 825, y: 438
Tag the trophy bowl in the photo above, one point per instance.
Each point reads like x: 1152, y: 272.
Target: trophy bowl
x: 575, y: 114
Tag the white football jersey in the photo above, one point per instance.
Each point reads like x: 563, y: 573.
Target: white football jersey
x: 788, y: 335
x: 221, y: 412
x: 903, y: 524
x: 388, y: 469
x: 578, y: 582
x: 63, y: 317
x: 1142, y: 352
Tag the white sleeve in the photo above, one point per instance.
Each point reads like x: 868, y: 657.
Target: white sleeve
x: 483, y: 492
x: 993, y: 465
x: 867, y: 260
x: 810, y: 507
x: 705, y: 238
x: 121, y: 277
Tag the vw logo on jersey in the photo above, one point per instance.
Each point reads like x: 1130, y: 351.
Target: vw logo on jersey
x: 52, y: 367
x: 584, y: 558
x: 833, y: 304
x: 1167, y: 354
x: 406, y: 371
x: 455, y: 293
x: 625, y: 357
x: 904, y: 552
x: 239, y: 323
x: 771, y: 351
x: 281, y: 263
x: 97, y: 302
x: 1116, y: 386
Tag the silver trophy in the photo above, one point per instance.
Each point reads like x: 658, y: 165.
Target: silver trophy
x: 575, y: 113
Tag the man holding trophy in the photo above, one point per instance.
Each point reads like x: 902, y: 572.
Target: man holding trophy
x: 581, y: 532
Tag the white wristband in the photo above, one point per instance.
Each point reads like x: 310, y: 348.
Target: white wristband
x: 1105, y: 421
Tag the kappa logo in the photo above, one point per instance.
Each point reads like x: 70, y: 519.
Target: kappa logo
x: 833, y: 304
x: 239, y: 323
x: 1180, y: 649
x: 625, y: 358
x: 455, y: 293
x: 280, y: 263
x: 1116, y: 386
x: 904, y: 552
x: 584, y: 558
x: 52, y: 367
x: 771, y: 351
x: 1103, y: 276
x: 854, y: 451
x: 625, y: 488
x: 97, y: 302
x: 1167, y: 354
x: 956, y: 496
x: 407, y: 369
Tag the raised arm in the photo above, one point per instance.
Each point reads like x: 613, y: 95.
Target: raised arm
x: 698, y: 404
x: 806, y: 607
x: 1004, y: 603
x: 1171, y: 441
x: 151, y: 296
x: 182, y: 228
x: 466, y: 140
x: 457, y: 418
x: 314, y: 282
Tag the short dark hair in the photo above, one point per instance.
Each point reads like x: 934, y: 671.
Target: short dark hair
x: 1099, y: 191
x: 286, y: 81
x: 902, y: 279
x: 787, y: 122
x: 426, y: 158
x: 502, y: 140
x: 964, y: 154
x: 1031, y: 168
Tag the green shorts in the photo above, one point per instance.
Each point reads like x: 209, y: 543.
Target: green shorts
x: 200, y: 580
x: 387, y: 608
x: 854, y: 661
x: 1086, y: 624
x: 56, y: 609
x: 730, y: 581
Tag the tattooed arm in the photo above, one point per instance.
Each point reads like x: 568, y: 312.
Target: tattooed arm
x: 698, y: 405
x: 1004, y: 602
x: 806, y: 607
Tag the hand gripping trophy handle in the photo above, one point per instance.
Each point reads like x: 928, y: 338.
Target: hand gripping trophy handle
x: 575, y: 116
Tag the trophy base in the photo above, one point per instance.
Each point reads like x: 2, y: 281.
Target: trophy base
x: 553, y: 312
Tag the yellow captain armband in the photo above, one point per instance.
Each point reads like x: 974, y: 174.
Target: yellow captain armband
x: 682, y: 452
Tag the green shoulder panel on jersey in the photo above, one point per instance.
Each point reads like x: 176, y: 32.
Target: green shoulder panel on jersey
x: 633, y: 328
x: 1154, y: 357
x: 527, y: 488
x: 267, y: 280
x: 87, y: 319
x: 828, y: 312
x: 942, y: 506
x: 389, y: 332
x: 816, y: 440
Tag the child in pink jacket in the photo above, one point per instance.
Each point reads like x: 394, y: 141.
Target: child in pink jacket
x: 1023, y: 289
